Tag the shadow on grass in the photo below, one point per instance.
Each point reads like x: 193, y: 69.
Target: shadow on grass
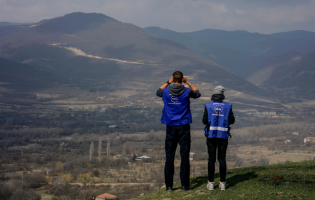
x: 240, y: 178
x: 198, y: 181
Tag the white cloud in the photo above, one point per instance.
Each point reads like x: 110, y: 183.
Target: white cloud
x: 285, y: 14
x: 181, y: 15
x: 239, y: 11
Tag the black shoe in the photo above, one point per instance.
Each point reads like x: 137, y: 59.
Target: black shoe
x: 186, y: 188
x: 169, y: 189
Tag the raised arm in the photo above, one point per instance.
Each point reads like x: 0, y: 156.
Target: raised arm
x: 159, y: 92
x: 193, y: 92
x: 166, y: 84
x: 189, y: 84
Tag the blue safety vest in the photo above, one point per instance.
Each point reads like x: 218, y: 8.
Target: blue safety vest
x: 176, y: 108
x: 218, y: 120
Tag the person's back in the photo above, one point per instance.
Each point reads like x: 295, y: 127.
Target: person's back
x: 177, y: 117
x: 176, y: 108
x: 218, y: 116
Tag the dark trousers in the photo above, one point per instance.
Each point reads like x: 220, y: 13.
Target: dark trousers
x: 174, y: 135
x: 221, y: 145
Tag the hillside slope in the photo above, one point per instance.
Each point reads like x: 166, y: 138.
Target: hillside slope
x: 281, y: 181
x: 241, y: 52
x: 23, y: 78
x: 298, y: 34
x: 240, y: 63
x: 8, y: 30
x: 264, y: 74
x: 257, y: 44
x: 295, y: 79
x: 93, y: 48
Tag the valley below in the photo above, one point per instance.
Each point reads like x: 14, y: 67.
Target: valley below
x: 74, y: 143
x: 79, y: 115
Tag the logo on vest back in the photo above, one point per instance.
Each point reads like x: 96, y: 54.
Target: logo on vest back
x: 218, y: 109
x: 174, y: 100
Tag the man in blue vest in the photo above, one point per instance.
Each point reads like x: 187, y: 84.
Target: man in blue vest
x: 217, y: 117
x: 177, y: 117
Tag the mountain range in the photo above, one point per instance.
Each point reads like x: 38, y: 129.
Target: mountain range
x: 242, y: 52
x: 90, y: 50
x: 93, y: 48
x: 264, y: 60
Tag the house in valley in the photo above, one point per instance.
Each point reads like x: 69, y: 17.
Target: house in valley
x: 309, y: 140
x: 106, y: 196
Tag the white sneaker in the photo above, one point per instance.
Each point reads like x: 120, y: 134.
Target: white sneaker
x: 210, y: 185
x: 222, y: 185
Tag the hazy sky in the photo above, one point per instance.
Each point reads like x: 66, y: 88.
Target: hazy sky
x: 263, y: 16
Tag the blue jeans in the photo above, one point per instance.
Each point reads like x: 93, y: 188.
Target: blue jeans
x: 221, y: 145
x: 174, y: 135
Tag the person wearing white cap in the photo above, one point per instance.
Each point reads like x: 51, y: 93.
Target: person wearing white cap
x: 218, y: 116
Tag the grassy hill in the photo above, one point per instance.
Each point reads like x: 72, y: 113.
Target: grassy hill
x: 281, y: 181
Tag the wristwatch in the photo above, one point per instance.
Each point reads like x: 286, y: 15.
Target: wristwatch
x: 168, y: 82
x: 189, y: 85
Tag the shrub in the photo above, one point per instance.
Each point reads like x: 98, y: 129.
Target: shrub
x: 5, y: 191
x: 25, y: 194
x: 49, y: 179
x: 68, y: 177
x: 35, y: 180
x: 85, y: 178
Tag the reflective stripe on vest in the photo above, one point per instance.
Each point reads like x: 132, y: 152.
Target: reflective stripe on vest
x: 212, y: 128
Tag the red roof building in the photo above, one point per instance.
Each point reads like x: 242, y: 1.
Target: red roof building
x: 309, y: 139
x: 106, y: 196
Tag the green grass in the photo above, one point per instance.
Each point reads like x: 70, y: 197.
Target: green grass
x: 107, y: 180
x: 256, y: 182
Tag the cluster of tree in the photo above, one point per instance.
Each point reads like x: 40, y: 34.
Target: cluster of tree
x: 128, y: 119
x: 84, y: 158
x: 22, y: 189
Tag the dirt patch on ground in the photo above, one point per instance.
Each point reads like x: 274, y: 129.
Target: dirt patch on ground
x: 251, y: 153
